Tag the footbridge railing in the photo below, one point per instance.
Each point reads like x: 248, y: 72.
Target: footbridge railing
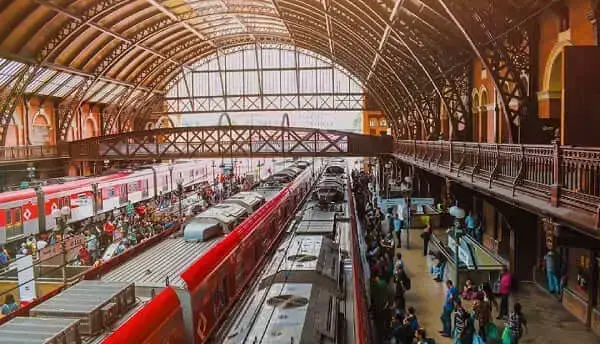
x: 561, y: 179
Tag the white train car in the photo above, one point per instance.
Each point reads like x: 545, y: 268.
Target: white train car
x: 131, y: 187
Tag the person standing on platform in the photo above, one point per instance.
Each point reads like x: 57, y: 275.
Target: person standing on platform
x: 426, y: 235
x: 471, y: 223
x: 505, y: 285
x: 551, y: 272
x: 516, y: 322
x: 397, y: 224
x: 451, y: 296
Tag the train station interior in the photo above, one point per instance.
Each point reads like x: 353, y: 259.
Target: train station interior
x: 299, y: 171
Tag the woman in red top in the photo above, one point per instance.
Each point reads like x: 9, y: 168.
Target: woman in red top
x: 505, y: 285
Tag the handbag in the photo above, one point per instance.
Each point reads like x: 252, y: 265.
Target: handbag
x: 491, y: 331
x: 506, y: 337
x: 477, y: 339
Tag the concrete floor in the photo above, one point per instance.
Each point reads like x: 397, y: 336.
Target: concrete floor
x: 548, y: 321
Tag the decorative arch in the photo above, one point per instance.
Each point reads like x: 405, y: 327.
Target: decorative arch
x: 225, y: 115
x: 40, y: 129
x: 553, y: 69
x: 484, y: 98
x: 484, y: 101
x: 285, y: 120
x: 475, y: 100
x: 90, y: 127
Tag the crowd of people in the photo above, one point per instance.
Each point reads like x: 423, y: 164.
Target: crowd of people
x: 395, y: 322
x: 467, y: 315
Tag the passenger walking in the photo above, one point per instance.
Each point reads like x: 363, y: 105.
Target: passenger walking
x: 505, y: 285
x: 10, y: 305
x: 483, y: 315
x: 451, y: 296
x: 3, y: 258
x: 463, y: 325
x: 551, y: 272
x: 516, y: 322
x: 397, y: 230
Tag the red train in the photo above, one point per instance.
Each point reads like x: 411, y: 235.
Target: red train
x: 216, y: 279
x: 29, y: 211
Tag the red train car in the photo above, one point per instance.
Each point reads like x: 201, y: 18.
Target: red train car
x: 215, y: 280
x: 162, y: 318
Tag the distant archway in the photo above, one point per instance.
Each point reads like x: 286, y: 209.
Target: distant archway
x: 90, y: 128
x: 40, y: 128
x: 483, y: 114
x: 476, y: 118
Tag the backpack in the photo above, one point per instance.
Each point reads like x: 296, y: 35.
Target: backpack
x: 406, y: 283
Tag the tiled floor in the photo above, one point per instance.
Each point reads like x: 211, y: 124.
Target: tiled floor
x: 548, y: 321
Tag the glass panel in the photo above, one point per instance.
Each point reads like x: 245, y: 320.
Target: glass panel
x: 289, y: 81
x: 40, y: 80
x: 578, y: 274
x: 251, y: 83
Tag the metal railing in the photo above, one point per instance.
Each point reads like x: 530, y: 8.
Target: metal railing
x: 562, y: 175
x: 27, y: 152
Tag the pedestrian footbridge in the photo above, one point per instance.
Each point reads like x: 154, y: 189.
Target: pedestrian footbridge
x: 230, y: 141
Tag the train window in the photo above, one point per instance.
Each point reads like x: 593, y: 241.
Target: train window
x: 67, y: 201
x: 9, y: 217
x: 111, y: 192
x: 17, y: 215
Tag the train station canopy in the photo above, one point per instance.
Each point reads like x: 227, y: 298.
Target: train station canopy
x: 118, y: 51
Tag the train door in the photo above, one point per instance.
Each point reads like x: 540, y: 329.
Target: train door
x: 14, y: 224
x: 123, y: 194
x: 97, y: 199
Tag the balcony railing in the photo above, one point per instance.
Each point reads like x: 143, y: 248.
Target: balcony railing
x: 27, y: 152
x: 561, y: 175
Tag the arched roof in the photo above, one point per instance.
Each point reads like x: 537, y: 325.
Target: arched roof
x: 399, y: 49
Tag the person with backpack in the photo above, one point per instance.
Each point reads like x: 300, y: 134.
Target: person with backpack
x: 463, y: 325
x: 411, y: 323
x: 516, y: 322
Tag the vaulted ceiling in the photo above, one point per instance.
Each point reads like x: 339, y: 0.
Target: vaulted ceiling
x: 404, y: 51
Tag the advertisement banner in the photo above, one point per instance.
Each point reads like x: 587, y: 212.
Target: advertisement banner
x: 25, y: 277
x: 71, y: 244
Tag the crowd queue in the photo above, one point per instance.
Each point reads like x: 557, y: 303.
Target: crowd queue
x: 466, y: 315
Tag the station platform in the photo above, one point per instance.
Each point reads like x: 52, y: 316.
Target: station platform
x: 548, y: 321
